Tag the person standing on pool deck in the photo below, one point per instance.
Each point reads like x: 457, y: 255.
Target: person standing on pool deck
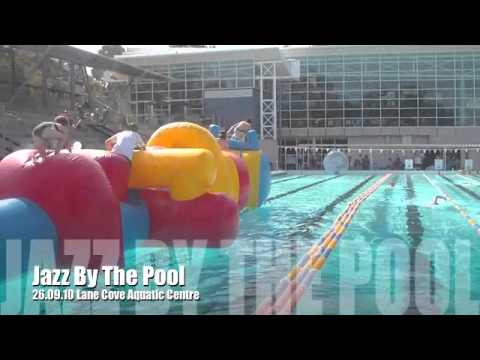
x: 125, y: 142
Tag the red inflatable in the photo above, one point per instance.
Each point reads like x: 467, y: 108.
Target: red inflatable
x: 211, y: 217
x: 115, y: 167
x: 243, y: 178
x: 76, y: 194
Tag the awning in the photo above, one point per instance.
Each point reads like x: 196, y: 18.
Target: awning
x: 85, y: 58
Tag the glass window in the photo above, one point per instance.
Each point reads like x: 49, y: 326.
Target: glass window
x: 412, y: 121
x: 317, y: 114
x: 211, y: 70
x: 317, y: 123
x: 446, y: 84
x: 357, y: 85
x: 427, y: 84
x: 194, y: 94
x: 371, y: 104
x: 427, y: 122
x: 317, y: 95
x: 334, y: 104
x: 144, y: 87
x: 212, y: 84
x: 389, y: 85
x: 389, y: 67
x: 245, y: 83
x: 145, y: 96
x: 228, y: 70
x: 160, y: 86
x: 334, y: 67
x: 299, y: 114
x: 390, y: 121
x: 352, y: 94
x: 393, y: 113
x: 408, y: 113
x: 353, y: 122
x: 451, y: 122
x: 228, y: 84
x: 371, y: 113
x: 353, y: 113
x: 372, y: 67
x: 338, y: 122
x: 298, y: 105
x: 331, y: 114
x: 177, y: 95
x: 427, y: 112
x: 194, y: 85
x: 353, y: 68
x: 299, y: 123
x: 353, y: 104
x: 410, y: 103
x: 177, y: 85
x: 371, y: 122
x: 298, y: 96
x: 371, y: 85
x: 317, y: 105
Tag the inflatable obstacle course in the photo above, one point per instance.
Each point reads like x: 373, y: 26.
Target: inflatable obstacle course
x: 183, y: 186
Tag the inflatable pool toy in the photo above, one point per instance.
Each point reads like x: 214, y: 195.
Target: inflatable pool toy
x: 183, y: 186
x: 335, y: 161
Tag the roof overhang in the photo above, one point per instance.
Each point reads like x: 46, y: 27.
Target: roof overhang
x: 85, y: 58
x: 258, y: 55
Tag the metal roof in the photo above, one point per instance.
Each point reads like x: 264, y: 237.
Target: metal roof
x: 359, y: 50
x: 82, y: 57
x: 203, y: 55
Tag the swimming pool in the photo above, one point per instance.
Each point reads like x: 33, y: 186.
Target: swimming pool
x: 399, y: 254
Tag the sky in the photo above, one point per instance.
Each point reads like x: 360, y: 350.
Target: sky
x: 160, y: 48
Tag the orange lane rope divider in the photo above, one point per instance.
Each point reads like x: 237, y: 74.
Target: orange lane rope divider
x: 292, y: 287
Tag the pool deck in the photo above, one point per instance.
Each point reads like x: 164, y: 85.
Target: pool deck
x: 357, y: 172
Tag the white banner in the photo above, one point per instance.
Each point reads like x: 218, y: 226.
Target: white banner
x: 408, y: 164
x: 468, y: 164
x: 438, y: 164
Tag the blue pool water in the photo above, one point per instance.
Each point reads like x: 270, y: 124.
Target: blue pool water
x: 369, y: 272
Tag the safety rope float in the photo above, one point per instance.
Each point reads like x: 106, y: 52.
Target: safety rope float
x: 292, y: 287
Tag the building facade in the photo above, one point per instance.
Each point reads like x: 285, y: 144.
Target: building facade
x: 323, y: 94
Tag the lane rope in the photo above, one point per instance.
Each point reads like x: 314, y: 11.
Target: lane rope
x: 301, y: 188
x: 288, y: 179
x: 292, y: 287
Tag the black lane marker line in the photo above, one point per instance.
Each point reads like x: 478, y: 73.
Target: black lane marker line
x: 301, y: 189
x: 292, y: 178
x: 314, y: 221
x: 415, y: 231
x: 463, y: 188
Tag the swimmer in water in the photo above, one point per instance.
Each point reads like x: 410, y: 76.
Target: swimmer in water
x: 437, y: 198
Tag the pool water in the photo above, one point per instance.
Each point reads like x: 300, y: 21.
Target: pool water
x: 400, y: 254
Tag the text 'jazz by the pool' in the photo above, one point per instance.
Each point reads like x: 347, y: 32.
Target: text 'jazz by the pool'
x: 113, y: 276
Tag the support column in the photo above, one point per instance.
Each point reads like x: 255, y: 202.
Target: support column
x: 88, y: 88
x: 13, y: 78
x: 44, y: 83
x: 268, y: 101
x: 72, y: 85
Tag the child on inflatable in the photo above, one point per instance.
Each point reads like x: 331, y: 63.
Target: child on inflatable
x: 239, y: 130
x: 54, y: 135
x: 125, y: 142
